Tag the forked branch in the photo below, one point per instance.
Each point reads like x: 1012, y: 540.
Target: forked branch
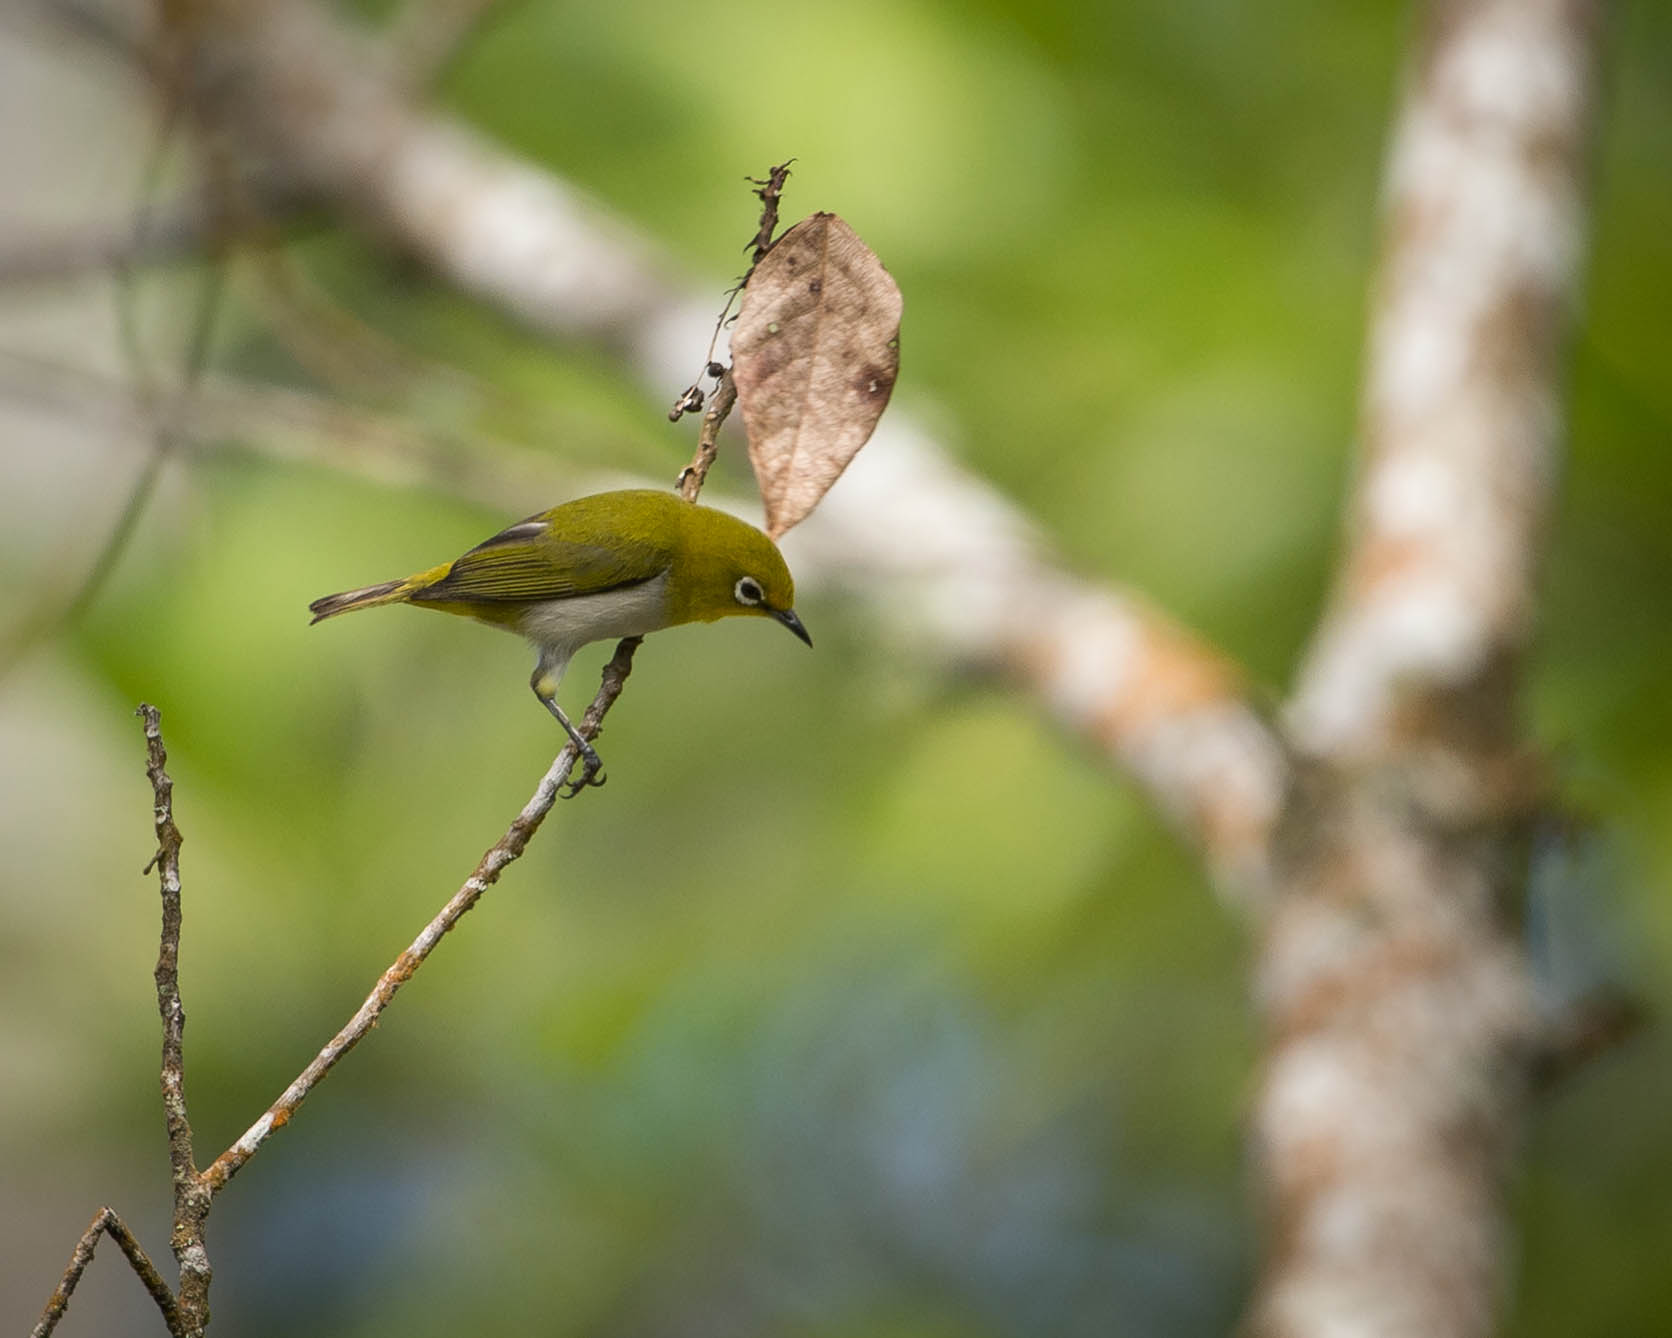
x: 106, y: 1222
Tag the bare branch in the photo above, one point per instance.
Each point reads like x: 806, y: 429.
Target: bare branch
x: 769, y: 190
x: 486, y: 874
x: 720, y: 402
x: 105, y: 1221
x: 191, y: 1201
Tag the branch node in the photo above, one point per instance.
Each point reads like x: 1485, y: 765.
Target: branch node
x: 104, y: 1222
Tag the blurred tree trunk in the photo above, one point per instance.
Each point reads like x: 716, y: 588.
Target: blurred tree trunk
x: 1391, y: 973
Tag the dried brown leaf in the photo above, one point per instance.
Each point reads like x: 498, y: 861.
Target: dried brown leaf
x: 814, y: 354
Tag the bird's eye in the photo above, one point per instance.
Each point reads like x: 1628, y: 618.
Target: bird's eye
x: 748, y: 591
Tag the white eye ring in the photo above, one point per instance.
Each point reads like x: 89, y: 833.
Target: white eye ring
x: 748, y: 590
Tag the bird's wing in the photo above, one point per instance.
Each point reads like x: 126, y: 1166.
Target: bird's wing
x: 529, y: 563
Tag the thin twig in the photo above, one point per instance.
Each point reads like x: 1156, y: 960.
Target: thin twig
x: 106, y: 1222
x: 771, y: 191
x: 486, y: 874
x: 692, y: 477
x: 191, y: 1200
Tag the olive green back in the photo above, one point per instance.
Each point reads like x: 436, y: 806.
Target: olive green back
x: 608, y: 541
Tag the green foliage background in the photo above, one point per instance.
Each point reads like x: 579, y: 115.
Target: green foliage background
x: 859, y: 1003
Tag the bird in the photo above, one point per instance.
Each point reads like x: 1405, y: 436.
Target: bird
x: 614, y: 564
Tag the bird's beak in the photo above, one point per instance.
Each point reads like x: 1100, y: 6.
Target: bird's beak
x: 788, y: 618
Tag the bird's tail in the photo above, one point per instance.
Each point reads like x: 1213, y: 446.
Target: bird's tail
x: 390, y: 592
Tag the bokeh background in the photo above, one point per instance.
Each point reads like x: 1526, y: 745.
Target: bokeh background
x: 860, y: 1003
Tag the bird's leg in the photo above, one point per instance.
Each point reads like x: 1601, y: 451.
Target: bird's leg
x: 592, y: 766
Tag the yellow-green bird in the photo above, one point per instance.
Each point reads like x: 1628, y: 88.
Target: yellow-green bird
x: 615, y: 564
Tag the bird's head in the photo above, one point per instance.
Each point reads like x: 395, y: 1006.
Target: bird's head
x: 729, y: 568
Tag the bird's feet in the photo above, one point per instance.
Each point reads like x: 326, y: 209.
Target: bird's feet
x: 592, y: 773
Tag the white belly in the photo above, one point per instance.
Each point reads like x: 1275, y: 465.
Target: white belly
x: 560, y: 627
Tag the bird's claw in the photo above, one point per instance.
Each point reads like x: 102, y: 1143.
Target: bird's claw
x: 592, y: 773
